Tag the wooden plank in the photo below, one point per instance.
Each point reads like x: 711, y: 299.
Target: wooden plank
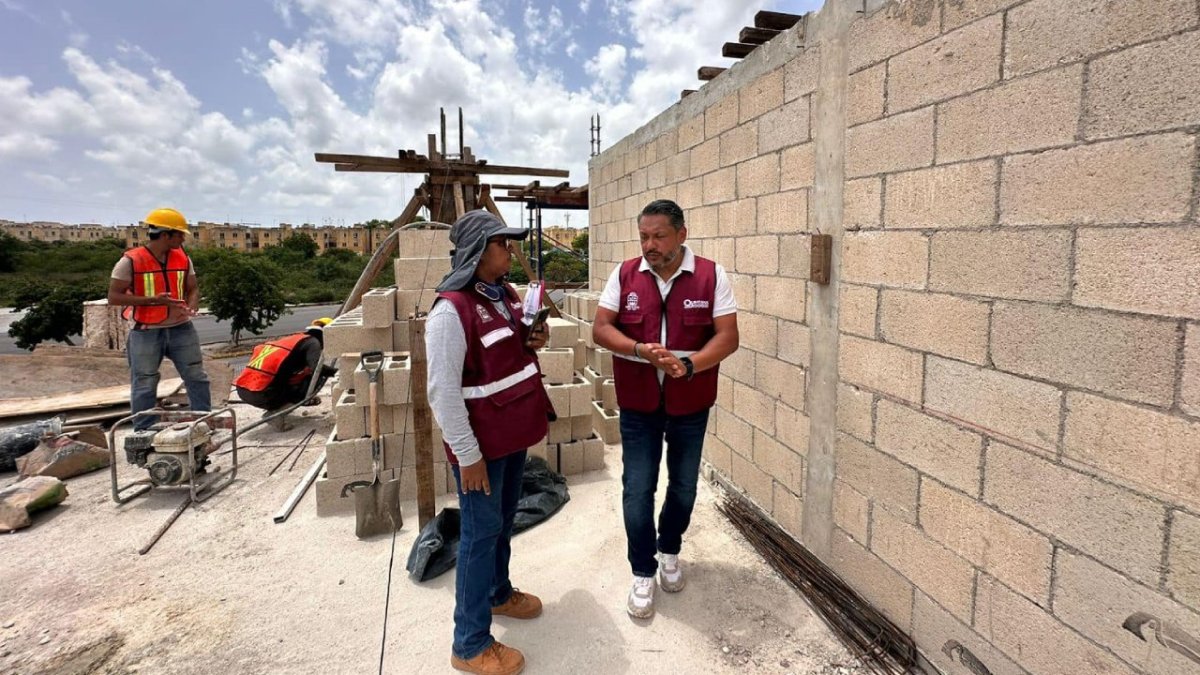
x: 686, y: 93
x: 383, y: 254
x: 460, y: 207
x: 422, y: 421
x: 93, y: 398
x: 756, y: 36
x: 736, y: 50
x: 707, y: 73
x: 391, y: 165
x: 431, y: 143
x: 562, y: 186
x: 776, y: 20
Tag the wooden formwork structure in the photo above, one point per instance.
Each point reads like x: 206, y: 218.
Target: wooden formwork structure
x: 452, y: 187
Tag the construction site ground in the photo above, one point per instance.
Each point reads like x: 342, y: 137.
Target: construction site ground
x: 226, y: 590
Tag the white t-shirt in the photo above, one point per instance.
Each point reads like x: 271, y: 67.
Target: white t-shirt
x: 723, y: 301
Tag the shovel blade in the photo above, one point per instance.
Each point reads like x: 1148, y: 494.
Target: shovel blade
x: 377, y: 509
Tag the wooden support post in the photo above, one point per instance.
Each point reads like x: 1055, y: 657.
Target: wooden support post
x: 422, y: 421
x: 433, y: 152
x: 443, y: 113
x: 383, y: 254
x: 490, y: 205
x: 460, y: 207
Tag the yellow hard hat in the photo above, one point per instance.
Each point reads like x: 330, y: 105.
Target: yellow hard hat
x: 322, y: 322
x: 168, y: 219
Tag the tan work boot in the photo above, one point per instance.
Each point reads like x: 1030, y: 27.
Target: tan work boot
x: 497, y: 659
x: 520, y: 606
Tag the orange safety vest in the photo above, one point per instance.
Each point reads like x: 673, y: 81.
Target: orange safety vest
x: 265, y: 363
x: 150, y: 277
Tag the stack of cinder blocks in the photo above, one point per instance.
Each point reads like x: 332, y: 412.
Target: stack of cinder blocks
x: 571, y: 447
x: 381, y: 323
x: 580, y: 307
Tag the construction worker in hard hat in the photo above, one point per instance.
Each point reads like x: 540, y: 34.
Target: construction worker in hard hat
x: 156, y: 283
x: 280, y: 371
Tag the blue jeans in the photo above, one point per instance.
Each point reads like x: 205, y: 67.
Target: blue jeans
x: 642, y: 437
x: 145, y: 350
x: 484, y: 547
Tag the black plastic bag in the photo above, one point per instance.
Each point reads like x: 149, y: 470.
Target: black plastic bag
x: 21, y: 439
x: 543, y: 492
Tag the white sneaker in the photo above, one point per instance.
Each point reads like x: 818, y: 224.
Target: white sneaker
x: 641, y: 598
x: 670, y: 574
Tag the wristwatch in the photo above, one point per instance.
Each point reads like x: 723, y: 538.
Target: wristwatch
x: 687, y: 363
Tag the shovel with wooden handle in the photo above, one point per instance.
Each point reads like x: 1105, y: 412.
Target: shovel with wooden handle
x: 376, y: 503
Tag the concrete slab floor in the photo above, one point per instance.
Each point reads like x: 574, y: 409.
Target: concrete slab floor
x: 228, y: 591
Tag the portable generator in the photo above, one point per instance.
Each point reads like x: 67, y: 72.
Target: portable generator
x: 175, y: 451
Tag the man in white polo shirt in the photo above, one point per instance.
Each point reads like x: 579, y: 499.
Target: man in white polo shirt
x: 670, y: 318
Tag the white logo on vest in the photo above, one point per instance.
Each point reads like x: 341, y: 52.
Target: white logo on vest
x: 695, y: 304
x: 631, y: 302
x: 483, y: 313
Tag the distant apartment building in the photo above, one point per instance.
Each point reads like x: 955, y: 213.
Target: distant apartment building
x: 563, y: 235
x: 205, y: 234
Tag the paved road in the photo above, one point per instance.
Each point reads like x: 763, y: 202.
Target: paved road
x: 210, y: 330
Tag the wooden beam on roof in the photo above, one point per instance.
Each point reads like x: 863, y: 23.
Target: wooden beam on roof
x: 506, y: 187
x: 776, y: 20
x: 736, y: 50
x: 686, y: 93
x: 372, y: 164
x: 756, y: 36
x: 562, y: 186
x: 707, y: 73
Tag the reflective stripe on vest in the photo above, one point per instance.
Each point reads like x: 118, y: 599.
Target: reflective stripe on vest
x: 265, y: 362
x: 687, y: 311
x: 151, y: 278
x: 485, y: 390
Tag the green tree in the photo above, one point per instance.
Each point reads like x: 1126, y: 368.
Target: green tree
x: 10, y: 247
x: 54, y: 312
x: 516, y: 274
x: 580, y: 243
x: 299, y: 242
x: 564, y: 267
x: 245, y: 291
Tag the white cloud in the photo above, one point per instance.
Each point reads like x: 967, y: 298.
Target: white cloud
x: 18, y: 8
x: 608, y: 67
x: 25, y: 146
x: 352, y: 22
x: 46, y: 180
x: 144, y: 136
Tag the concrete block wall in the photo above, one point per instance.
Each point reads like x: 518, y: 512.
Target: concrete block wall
x: 989, y: 421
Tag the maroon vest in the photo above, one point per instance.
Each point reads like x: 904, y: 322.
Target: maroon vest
x: 502, y: 384
x: 689, y: 311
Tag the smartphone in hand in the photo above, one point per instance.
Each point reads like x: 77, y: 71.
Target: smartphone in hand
x: 540, y: 320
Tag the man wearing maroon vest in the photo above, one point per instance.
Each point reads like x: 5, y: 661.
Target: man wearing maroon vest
x: 485, y: 389
x: 670, y: 319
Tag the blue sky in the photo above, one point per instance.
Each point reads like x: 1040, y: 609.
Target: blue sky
x: 109, y: 109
